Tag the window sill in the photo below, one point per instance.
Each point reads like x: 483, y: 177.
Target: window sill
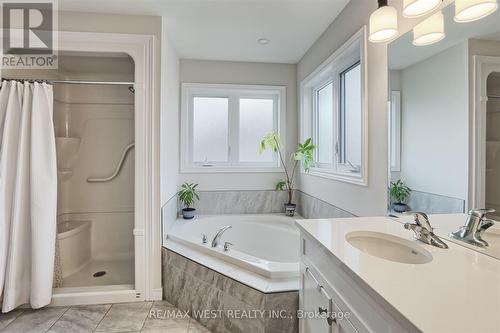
x: 230, y: 169
x: 341, y: 177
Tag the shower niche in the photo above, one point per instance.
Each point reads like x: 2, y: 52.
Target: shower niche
x: 94, y: 129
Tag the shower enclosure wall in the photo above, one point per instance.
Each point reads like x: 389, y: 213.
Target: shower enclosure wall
x: 94, y: 125
x: 94, y: 130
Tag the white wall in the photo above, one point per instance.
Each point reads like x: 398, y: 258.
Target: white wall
x: 356, y: 199
x: 435, y: 110
x: 200, y: 71
x: 371, y: 199
x: 169, y: 132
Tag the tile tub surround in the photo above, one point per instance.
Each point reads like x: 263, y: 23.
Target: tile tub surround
x: 251, y: 202
x: 193, y: 287
x: 240, y: 202
x: 434, y: 203
x: 144, y: 317
x: 310, y: 207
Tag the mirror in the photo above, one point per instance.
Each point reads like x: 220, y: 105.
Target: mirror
x: 445, y: 120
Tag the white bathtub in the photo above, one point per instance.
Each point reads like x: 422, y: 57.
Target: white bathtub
x: 264, y: 244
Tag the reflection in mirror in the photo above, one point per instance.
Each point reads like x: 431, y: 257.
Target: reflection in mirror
x: 445, y: 124
x: 430, y: 103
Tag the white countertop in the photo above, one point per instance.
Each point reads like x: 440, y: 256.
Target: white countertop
x: 458, y: 291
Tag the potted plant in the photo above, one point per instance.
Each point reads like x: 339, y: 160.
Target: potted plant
x: 187, y: 195
x: 304, y: 154
x: 399, y: 193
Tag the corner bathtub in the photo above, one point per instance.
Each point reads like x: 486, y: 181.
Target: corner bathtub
x: 267, y: 245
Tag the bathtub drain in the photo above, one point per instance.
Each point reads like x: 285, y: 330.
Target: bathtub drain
x: 99, y: 274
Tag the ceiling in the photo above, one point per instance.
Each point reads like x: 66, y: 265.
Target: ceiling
x: 402, y: 53
x: 229, y: 29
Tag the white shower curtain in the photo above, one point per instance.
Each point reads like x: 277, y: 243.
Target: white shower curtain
x: 28, y: 194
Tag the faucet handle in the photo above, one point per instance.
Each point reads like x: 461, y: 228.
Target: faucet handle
x: 422, y: 220
x: 485, y: 224
x: 226, y: 246
x: 204, y: 239
x: 481, y: 212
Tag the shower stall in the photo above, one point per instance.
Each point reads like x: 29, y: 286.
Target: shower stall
x: 105, y: 117
x: 94, y: 127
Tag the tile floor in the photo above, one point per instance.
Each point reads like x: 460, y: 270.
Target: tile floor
x: 145, y: 317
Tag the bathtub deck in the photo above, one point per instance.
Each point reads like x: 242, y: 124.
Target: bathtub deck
x: 118, y: 271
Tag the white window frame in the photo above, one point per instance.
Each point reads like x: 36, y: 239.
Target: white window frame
x: 395, y: 130
x: 233, y: 92
x: 351, y: 52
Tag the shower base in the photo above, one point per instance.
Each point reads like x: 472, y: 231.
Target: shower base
x: 116, y: 272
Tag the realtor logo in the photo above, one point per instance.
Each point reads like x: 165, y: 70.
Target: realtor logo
x: 28, y: 34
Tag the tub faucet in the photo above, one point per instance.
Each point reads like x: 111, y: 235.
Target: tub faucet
x: 474, y: 227
x: 424, y: 231
x: 218, y: 235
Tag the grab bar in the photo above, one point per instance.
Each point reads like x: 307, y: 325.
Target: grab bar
x: 118, y: 168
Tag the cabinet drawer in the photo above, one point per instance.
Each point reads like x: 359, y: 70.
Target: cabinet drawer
x: 320, y: 312
x: 316, y: 304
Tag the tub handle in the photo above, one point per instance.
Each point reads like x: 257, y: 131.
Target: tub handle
x: 226, y: 246
x: 204, y: 239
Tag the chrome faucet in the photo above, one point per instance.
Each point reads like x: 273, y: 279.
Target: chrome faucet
x: 218, y: 235
x: 424, y: 231
x: 474, y: 227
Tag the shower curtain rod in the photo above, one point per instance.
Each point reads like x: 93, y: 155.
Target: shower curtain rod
x: 126, y: 83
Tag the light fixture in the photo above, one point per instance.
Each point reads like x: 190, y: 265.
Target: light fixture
x: 416, y: 8
x: 471, y: 10
x: 263, y: 41
x: 383, y: 23
x: 429, y: 31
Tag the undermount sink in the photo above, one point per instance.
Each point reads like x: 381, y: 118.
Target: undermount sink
x: 388, y: 247
x: 492, y: 236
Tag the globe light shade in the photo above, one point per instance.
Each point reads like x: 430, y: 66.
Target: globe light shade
x: 429, y: 31
x: 472, y: 10
x: 383, y: 24
x: 416, y: 8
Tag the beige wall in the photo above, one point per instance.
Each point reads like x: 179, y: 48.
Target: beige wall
x: 200, y: 71
x: 371, y: 199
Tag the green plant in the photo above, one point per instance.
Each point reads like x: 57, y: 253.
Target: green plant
x: 188, y: 194
x: 399, y: 191
x: 304, y: 154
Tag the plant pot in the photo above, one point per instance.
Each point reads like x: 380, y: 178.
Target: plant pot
x: 188, y: 213
x: 399, y: 207
x: 290, y: 209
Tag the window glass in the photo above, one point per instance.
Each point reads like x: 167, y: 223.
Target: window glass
x: 351, y: 117
x: 210, y: 129
x: 324, y: 137
x: 256, y: 119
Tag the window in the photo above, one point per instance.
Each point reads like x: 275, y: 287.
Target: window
x: 395, y: 137
x: 350, y: 117
x: 222, y: 126
x: 333, y: 113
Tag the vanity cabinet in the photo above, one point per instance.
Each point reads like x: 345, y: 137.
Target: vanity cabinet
x: 318, y: 308
x: 335, y: 300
